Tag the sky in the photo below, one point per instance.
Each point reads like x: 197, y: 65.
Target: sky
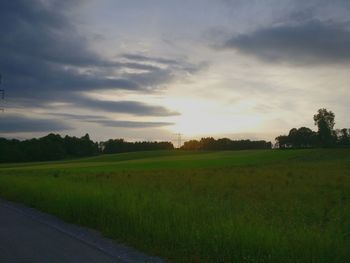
x: 147, y: 70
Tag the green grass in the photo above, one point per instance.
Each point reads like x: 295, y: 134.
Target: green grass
x: 243, y: 206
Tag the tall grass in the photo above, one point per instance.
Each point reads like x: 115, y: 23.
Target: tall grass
x: 249, y: 206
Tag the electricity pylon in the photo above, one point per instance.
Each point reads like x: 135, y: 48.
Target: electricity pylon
x: 178, y: 139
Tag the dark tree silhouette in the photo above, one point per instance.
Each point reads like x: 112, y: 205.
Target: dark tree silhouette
x: 47, y: 148
x: 324, y: 120
x: 343, y: 137
x: 283, y: 141
x: 210, y: 144
x: 293, y: 137
x: 191, y: 145
x: 54, y: 147
x: 298, y: 138
x: 325, y: 137
x: 306, y: 137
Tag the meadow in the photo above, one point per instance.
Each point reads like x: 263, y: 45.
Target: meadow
x: 232, y: 206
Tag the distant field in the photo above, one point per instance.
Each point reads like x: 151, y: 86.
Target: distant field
x: 242, y: 206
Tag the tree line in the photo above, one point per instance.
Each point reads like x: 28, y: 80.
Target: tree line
x: 47, y: 148
x: 325, y: 136
x: 54, y: 147
x: 224, y: 144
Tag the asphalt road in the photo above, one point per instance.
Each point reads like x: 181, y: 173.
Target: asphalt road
x: 27, y: 235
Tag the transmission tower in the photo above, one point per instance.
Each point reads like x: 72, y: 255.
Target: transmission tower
x: 179, y: 135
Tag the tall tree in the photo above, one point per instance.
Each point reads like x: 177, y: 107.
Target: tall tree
x: 324, y: 120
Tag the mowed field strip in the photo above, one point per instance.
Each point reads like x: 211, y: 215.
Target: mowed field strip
x: 231, y: 206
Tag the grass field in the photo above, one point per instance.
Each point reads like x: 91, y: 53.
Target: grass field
x: 243, y: 206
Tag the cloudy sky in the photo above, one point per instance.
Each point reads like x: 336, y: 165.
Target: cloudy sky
x: 145, y: 70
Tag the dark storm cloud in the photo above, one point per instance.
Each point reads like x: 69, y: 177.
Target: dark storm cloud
x: 43, y: 31
x: 39, y: 31
x: 43, y: 54
x: 47, y: 82
x: 17, y: 124
x: 301, y: 43
x: 45, y: 59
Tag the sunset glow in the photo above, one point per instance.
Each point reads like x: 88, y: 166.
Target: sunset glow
x: 149, y: 69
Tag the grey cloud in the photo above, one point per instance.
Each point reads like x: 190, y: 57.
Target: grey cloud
x: 109, y: 122
x: 45, y: 59
x: 151, y: 80
x: 284, y: 7
x: 43, y: 31
x: 128, y: 107
x: 140, y: 66
x: 17, y: 124
x: 42, y: 53
x: 172, y: 65
x: 143, y: 58
x: 81, y: 117
x: 131, y: 107
x: 132, y: 124
x: 302, y: 43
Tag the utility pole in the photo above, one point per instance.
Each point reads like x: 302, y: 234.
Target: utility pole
x: 2, y: 94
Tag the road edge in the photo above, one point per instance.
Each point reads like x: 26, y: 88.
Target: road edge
x: 90, y: 237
